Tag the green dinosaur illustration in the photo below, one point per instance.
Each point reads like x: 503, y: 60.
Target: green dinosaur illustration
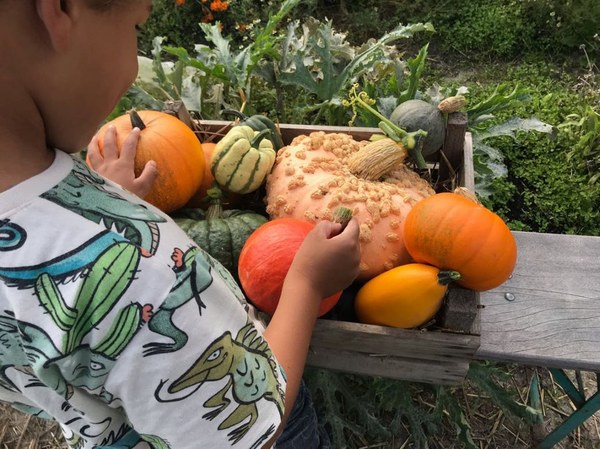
x: 251, y: 370
x: 83, y: 192
x: 193, y: 277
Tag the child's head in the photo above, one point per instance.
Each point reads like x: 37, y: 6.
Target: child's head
x: 72, y: 60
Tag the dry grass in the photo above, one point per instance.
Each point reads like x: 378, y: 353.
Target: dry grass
x: 491, y: 427
x: 20, y: 431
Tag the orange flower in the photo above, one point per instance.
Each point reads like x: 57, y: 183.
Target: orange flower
x: 219, y: 5
x: 207, y: 17
x: 180, y: 2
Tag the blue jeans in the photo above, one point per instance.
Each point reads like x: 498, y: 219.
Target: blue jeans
x: 302, y: 429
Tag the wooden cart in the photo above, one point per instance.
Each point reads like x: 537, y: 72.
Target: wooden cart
x: 440, y: 353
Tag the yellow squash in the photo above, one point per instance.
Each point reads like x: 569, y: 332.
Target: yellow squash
x: 407, y: 296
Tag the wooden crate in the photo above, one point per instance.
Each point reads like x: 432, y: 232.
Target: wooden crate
x: 442, y: 351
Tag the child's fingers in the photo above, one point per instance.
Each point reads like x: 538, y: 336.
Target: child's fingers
x: 144, y: 182
x: 327, y: 229
x: 93, y: 152
x: 352, y: 229
x: 109, y: 149
x: 130, y: 145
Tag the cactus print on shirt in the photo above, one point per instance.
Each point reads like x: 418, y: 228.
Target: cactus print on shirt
x: 115, y: 324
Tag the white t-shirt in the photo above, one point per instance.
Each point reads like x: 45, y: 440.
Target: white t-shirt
x: 114, y: 323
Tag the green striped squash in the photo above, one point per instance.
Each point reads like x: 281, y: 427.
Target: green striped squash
x: 242, y: 159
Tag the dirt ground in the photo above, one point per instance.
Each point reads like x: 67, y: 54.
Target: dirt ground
x: 491, y: 427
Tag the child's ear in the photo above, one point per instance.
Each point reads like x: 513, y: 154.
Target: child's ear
x: 57, y: 18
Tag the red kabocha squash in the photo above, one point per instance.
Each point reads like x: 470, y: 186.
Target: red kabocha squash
x: 265, y: 261
x: 453, y: 232
x: 175, y: 148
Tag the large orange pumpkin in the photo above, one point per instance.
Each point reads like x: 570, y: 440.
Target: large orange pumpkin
x: 452, y: 232
x: 266, y: 258
x: 175, y: 148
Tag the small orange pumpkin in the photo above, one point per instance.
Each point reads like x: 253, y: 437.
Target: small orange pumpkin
x: 265, y: 261
x: 199, y: 199
x: 453, y: 232
x: 175, y: 148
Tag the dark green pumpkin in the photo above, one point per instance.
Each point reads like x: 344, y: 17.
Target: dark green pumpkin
x: 413, y: 115
x: 221, y: 233
x: 258, y: 122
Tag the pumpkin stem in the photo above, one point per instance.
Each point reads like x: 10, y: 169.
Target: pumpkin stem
x: 136, y: 120
x: 258, y: 137
x: 466, y: 193
x: 452, y: 104
x: 342, y: 215
x: 377, y: 158
x: 215, y: 197
x: 445, y: 277
x: 238, y: 114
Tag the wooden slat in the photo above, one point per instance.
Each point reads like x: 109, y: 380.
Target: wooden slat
x: 289, y: 131
x: 448, y: 372
x: 364, y: 338
x: 554, y: 319
x: 467, y: 172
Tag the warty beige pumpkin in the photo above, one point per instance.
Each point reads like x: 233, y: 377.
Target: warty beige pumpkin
x: 316, y: 173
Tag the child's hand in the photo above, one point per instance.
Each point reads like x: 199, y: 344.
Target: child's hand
x: 327, y: 259
x: 119, y: 167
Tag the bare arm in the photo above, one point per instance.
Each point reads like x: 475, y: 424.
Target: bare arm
x: 326, y: 263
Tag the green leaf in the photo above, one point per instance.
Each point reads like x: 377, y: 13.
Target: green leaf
x: 322, y: 62
x: 449, y: 403
x: 514, y: 125
x: 502, y: 98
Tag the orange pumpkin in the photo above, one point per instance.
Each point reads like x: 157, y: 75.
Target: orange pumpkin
x: 266, y: 258
x: 452, y: 232
x: 318, y: 172
x: 175, y: 148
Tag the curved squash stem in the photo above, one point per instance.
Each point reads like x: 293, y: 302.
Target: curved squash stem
x: 446, y: 277
x: 239, y: 115
x: 377, y: 159
x: 258, y: 137
x: 467, y: 193
x: 243, y: 98
x: 215, y: 197
x: 412, y: 141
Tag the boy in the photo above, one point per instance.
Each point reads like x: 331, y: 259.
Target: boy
x: 112, y: 321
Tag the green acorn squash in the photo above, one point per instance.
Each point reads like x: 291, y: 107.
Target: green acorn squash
x: 258, y: 122
x: 413, y: 115
x: 221, y: 233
